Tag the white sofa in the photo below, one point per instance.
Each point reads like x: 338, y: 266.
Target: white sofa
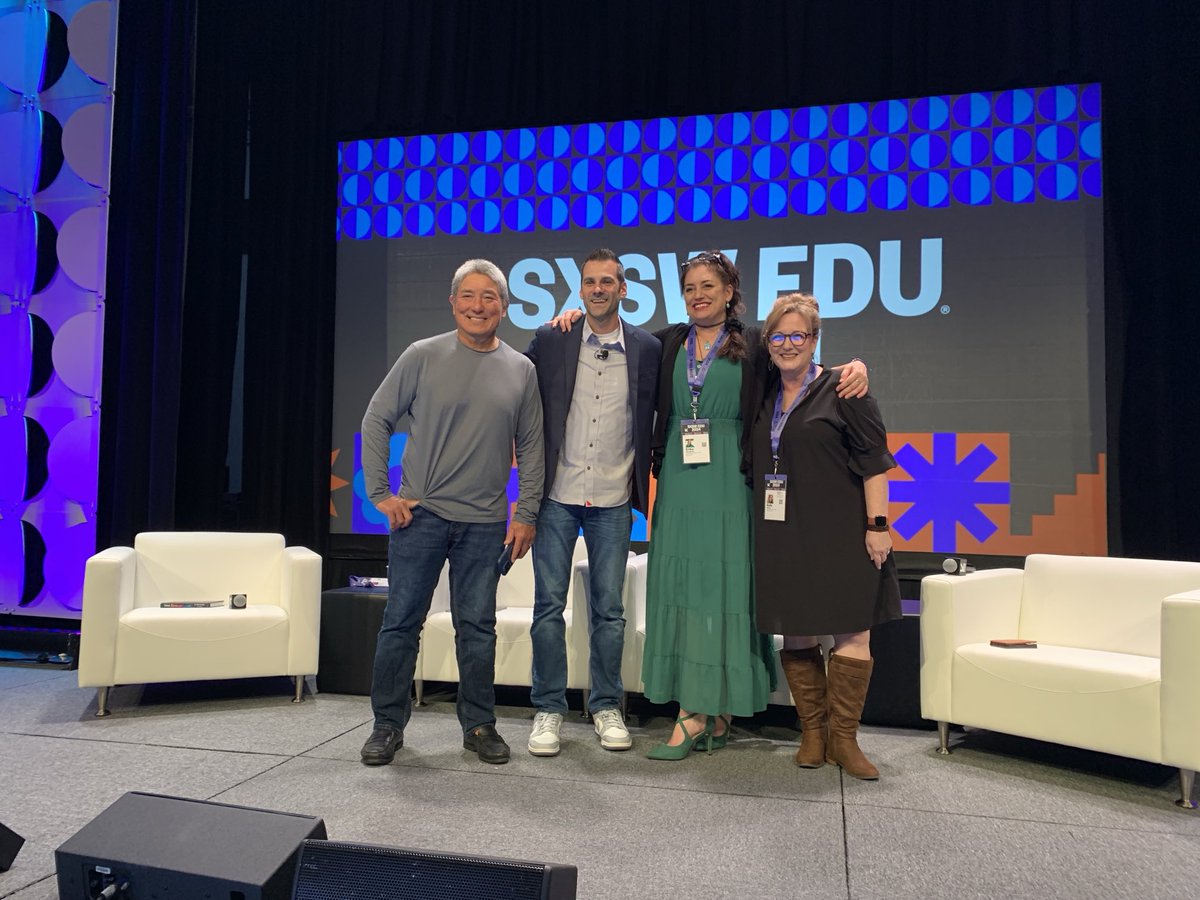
x: 514, y: 616
x: 127, y: 637
x: 1115, y: 669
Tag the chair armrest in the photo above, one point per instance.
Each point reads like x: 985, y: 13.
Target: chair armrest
x: 957, y: 610
x: 635, y: 585
x: 300, y: 595
x: 109, y: 579
x: 1180, y: 698
x: 441, y: 592
x: 635, y: 621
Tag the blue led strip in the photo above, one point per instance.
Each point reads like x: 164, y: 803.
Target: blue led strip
x: 1017, y: 146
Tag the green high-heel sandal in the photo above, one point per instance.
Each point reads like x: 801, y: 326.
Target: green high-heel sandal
x: 684, y: 747
x: 720, y: 740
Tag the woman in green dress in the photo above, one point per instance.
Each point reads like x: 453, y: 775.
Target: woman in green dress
x: 702, y: 648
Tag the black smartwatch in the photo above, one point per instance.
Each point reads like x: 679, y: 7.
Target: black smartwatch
x: 877, y: 523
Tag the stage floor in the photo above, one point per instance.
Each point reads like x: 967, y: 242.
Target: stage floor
x: 1000, y: 817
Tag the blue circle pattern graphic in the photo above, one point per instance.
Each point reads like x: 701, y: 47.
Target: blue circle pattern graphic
x: 1016, y: 146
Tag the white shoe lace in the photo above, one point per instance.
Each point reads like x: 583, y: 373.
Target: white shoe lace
x: 608, y: 718
x: 545, y: 722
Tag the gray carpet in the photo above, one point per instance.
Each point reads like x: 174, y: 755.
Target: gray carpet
x: 1000, y: 817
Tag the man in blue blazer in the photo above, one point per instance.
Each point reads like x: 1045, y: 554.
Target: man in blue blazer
x: 598, y: 386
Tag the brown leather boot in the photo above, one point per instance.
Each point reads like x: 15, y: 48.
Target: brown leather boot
x: 848, y: 680
x: 805, y: 673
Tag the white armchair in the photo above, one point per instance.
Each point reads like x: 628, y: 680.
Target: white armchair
x: 1115, y: 667
x: 128, y: 637
x: 514, y: 617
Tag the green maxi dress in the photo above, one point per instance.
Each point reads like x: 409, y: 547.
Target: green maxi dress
x: 702, y: 648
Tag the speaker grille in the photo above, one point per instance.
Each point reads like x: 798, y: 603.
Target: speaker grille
x: 335, y: 870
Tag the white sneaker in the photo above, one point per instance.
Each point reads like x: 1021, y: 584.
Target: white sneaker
x: 613, y: 733
x: 543, y: 740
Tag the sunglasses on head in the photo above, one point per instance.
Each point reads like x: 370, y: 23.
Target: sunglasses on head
x: 706, y: 258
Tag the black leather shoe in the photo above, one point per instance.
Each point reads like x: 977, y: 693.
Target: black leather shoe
x: 485, y: 741
x: 381, y: 746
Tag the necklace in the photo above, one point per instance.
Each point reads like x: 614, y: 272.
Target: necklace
x: 707, y: 342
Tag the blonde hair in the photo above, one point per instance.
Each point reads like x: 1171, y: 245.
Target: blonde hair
x: 804, y: 304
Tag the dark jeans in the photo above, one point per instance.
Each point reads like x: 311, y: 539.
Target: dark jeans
x: 606, y: 533
x: 416, y: 555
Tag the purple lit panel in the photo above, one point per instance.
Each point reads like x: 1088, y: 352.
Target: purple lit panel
x: 72, y: 460
x: 77, y: 353
x: 81, y: 242
x: 52, y: 272
x: 83, y: 143
x: 12, y: 559
x: 13, y: 456
x: 23, y: 50
x: 16, y: 349
x: 18, y: 232
x: 91, y: 41
x: 66, y: 545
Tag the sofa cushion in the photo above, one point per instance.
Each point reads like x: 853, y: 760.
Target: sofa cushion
x: 220, y: 624
x: 1094, y: 699
x: 1063, y: 669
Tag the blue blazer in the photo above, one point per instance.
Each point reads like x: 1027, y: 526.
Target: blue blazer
x: 556, y: 358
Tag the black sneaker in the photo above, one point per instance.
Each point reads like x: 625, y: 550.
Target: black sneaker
x: 485, y: 741
x: 381, y: 746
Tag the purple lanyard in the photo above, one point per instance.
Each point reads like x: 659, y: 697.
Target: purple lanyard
x: 696, y: 375
x: 780, y: 417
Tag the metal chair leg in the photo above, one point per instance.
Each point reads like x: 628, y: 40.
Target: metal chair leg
x: 299, y: 698
x: 943, y: 738
x: 586, y: 694
x: 102, y: 703
x: 419, y: 690
x: 1185, y: 801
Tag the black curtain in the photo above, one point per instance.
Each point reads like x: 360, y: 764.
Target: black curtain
x: 306, y: 75
x: 147, y: 249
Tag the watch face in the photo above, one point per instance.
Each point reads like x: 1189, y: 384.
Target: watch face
x: 881, y: 520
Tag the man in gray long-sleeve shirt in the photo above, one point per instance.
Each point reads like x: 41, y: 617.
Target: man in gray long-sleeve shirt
x: 470, y: 399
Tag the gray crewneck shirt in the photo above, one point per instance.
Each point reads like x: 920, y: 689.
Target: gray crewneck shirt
x: 467, y: 411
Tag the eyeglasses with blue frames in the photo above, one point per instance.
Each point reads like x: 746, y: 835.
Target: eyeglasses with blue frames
x: 798, y: 339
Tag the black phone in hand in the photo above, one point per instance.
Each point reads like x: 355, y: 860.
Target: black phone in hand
x: 504, y: 563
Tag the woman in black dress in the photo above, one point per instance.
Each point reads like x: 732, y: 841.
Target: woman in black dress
x: 823, y: 562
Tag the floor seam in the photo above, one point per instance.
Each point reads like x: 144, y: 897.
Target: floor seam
x: 997, y: 818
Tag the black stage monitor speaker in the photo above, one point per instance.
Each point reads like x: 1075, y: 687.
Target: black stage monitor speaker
x: 171, y: 847
x: 334, y: 870
x: 10, y: 843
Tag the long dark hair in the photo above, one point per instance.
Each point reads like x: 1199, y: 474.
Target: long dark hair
x: 734, y: 347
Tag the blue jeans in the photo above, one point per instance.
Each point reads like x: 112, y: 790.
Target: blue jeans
x: 606, y: 534
x: 416, y: 555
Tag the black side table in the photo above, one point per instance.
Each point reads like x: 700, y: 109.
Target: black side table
x: 894, y: 698
x: 350, y: 622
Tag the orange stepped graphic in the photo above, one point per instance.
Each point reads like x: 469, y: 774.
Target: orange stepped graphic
x: 1077, y: 526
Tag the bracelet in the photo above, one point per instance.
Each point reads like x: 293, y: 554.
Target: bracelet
x: 880, y: 528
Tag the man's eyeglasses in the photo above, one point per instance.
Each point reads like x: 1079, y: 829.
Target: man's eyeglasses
x: 798, y: 339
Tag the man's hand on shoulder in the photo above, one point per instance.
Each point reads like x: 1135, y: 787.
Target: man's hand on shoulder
x: 520, y: 536
x: 398, y: 511
x: 853, y: 382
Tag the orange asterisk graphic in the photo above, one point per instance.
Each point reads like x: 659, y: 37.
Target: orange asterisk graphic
x: 335, y: 483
